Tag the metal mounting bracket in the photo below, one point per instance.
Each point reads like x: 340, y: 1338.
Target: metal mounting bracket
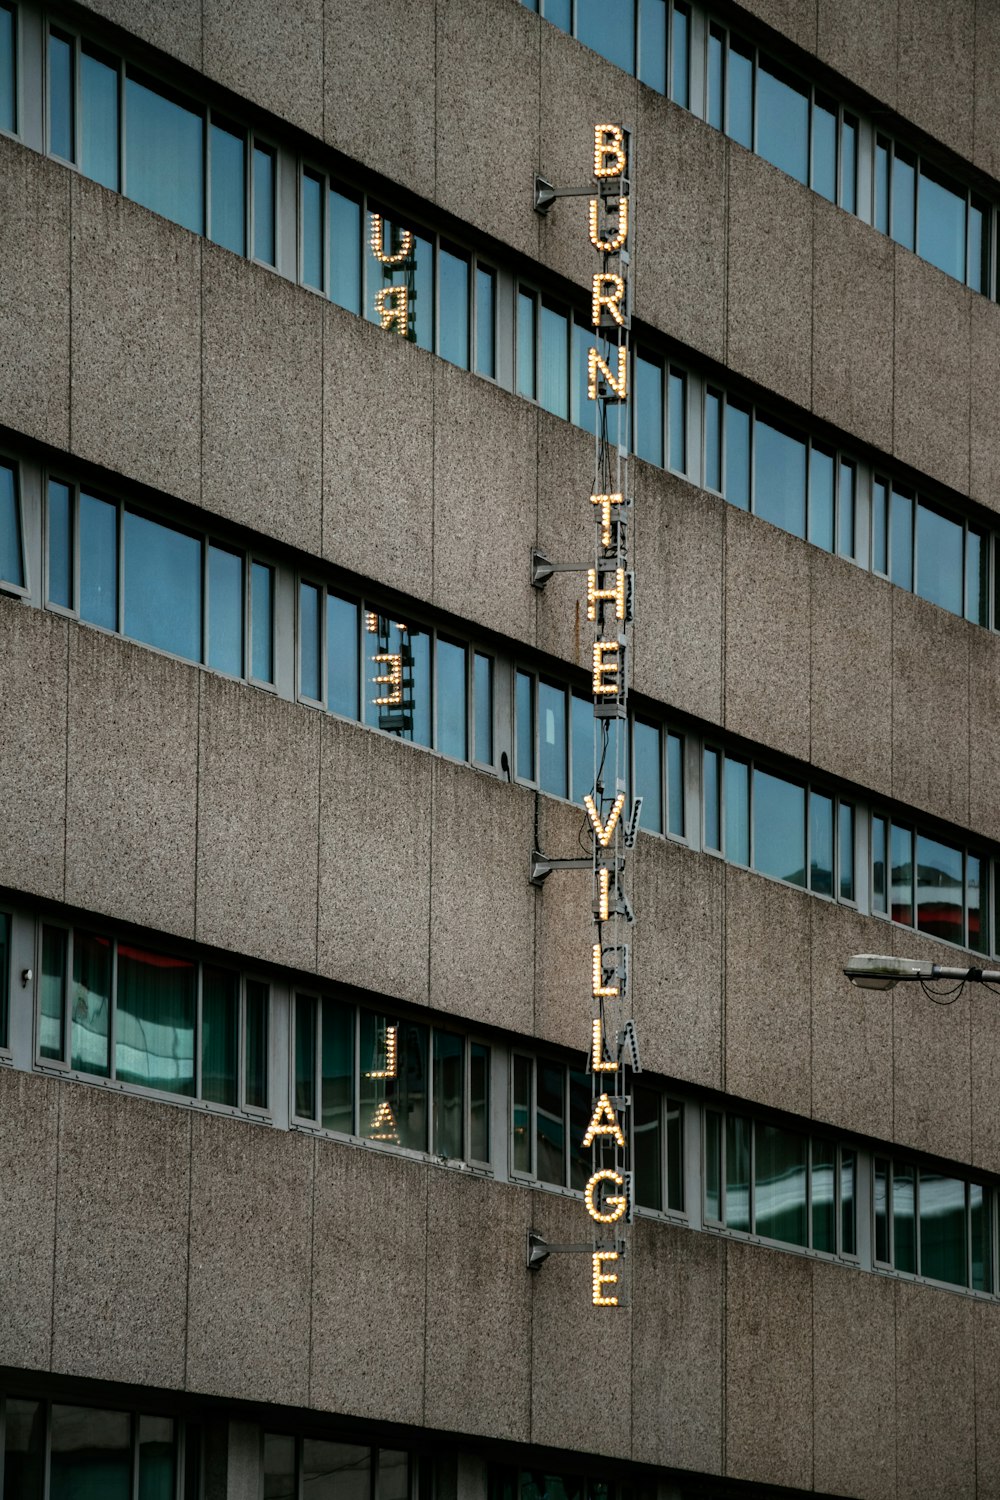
x: 541, y: 866
x: 542, y: 568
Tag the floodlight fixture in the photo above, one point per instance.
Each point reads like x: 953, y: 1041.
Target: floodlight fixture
x: 879, y: 971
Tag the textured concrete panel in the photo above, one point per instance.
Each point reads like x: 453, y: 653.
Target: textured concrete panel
x: 852, y: 369
x: 132, y: 782
x: 249, y: 1298
x: 986, y: 1352
x: 572, y: 1378
x: 488, y: 107
x: 851, y: 1028
x: 769, y: 1366
x: 369, y: 1284
x: 29, y: 1114
x: 851, y: 624
x: 272, y: 54
x: 680, y: 274
x: 378, y: 453
x: 482, y: 906
x: 935, y: 1399
x: 564, y: 930
x: 985, y: 1078
x: 565, y: 482
x: 32, y: 749
x: 984, y: 398
x: 136, y: 342
x: 678, y: 536
x: 795, y: 19
x: 932, y: 1103
x: 34, y: 294
x: 858, y: 40
x: 938, y: 41
x: 767, y: 634
x: 931, y: 410
x: 984, y: 743
x: 767, y: 1011
x: 678, y: 943
x: 390, y: 57
x: 930, y: 707
x: 258, y: 824
x: 986, y: 100
x: 175, y: 28
x: 122, y: 1214
x: 374, y: 861
x: 854, y: 1420
x: 263, y: 401
x: 478, y: 1357
x: 677, y: 1348
x: 485, y: 491
x: 769, y: 276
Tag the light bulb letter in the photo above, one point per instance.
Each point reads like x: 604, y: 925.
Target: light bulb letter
x: 604, y: 1121
x: 611, y: 300
x: 398, y: 313
x: 609, y: 151
x: 615, y: 386
x: 615, y: 240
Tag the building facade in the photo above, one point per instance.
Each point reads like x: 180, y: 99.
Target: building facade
x: 293, y: 1050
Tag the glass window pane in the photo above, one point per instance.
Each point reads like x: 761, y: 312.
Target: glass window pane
x: 8, y: 92
x: 716, y: 101
x: 11, y: 545
x: 4, y: 977
x: 337, y: 1067
x: 521, y: 1115
x: 649, y: 409
x: 904, y: 1218
x: 903, y: 197
x: 582, y: 411
x: 553, y: 392
x: 393, y: 1478
x: 737, y: 803
x: 228, y: 177
x: 452, y: 705
x: 942, y: 1228
x: 737, y: 1172
x: 453, y: 308
x: 335, y: 1471
x: 675, y: 785
x: 263, y: 204
x: 99, y: 117
x: 940, y: 896
x: 941, y: 222
x: 98, y: 561
x: 310, y: 650
x: 154, y: 1020
x: 977, y: 936
x: 820, y: 843
x: 882, y: 185
x: 345, y: 251
x: 713, y: 440
x: 479, y: 1091
x: 821, y: 498
x: 526, y: 343
x: 739, y: 93
x: 225, y: 611
x: 977, y: 574
x: 647, y: 1146
x: 257, y: 1006
x: 343, y: 662
x: 881, y: 1205
x: 823, y: 1195
x: 220, y: 1035
x: 901, y: 867
x: 486, y: 321
x: 609, y: 30
x: 552, y: 738
x: 398, y: 670
x: 157, y: 1459
x: 978, y: 272
x: 713, y: 1166
x: 262, y: 622
x: 849, y: 164
x: 845, y: 511
x: 652, y: 61
x: 305, y: 1057
x: 558, y: 12
x: 780, y: 477
x: 163, y: 154
x: 939, y: 558
x: 279, y: 1467
x: 679, y: 60
x: 678, y: 421
x: 848, y: 1175
x: 482, y: 688
x: 582, y: 747
x: 162, y: 580
x: 845, y: 850
x: 90, y: 1454
x: 312, y: 230
x: 394, y: 1107
x: 736, y: 486
x: 449, y: 1093
x: 778, y: 827
x: 52, y: 993
x: 880, y: 527
x: 780, y: 1184
x: 783, y: 120
x: 90, y: 1021
x: 646, y: 742
x: 980, y: 1206
x: 524, y: 716
x: 675, y: 1155
x: 415, y: 273
x: 824, y: 148
x: 550, y: 1122
x: 878, y: 865
x: 710, y: 797
x: 901, y: 540
x: 24, y: 1440
x: 61, y: 102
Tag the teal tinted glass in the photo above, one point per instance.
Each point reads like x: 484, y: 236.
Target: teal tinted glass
x: 398, y: 678
x: 99, y: 117
x: 98, y: 561
x: 981, y: 1220
x: 452, y: 699
x: 848, y: 1195
x: 845, y: 849
x: 737, y: 1172
x: 422, y: 294
x: 609, y: 30
x: 263, y: 204
x: 649, y: 409
x: 486, y: 357
x: 582, y: 410
x: 824, y: 148
x: 62, y: 106
x: 11, y: 546
x: 558, y: 12
x: 901, y: 539
x: 313, y: 193
x: 521, y: 1114
x: 652, y: 51
x: 345, y: 251
x: 220, y: 1035
x: 978, y: 271
x: 337, y: 1067
x: 675, y: 1155
x: 255, y: 1052
x: 901, y: 874
x: 713, y: 440
x: 164, y: 167
x: 646, y: 748
x: 449, y: 1094
x: 4, y: 976
x: 823, y: 1196
x: 737, y: 810
x: 310, y: 646
x: 154, y: 1020
x: 849, y: 164
x: 24, y: 1445
x: 526, y: 343
x: 941, y: 210
x: 940, y: 892
x: 524, y: 721
x: 879, y: 895
x: 882, y: 185
x: 677, y: 424
x: 227, y: 167
x: 904, y: 1218
x: 739, y: 93
x: 52, y: 993
x: 479, y: 1102
x: 780, y: 477
x: 779, y: 843
x: 581, y: 746
x: 903, y: 197
x: 711, y: 798
x: 736, y: 485
x: 157, y: 1458
x: 482, y: 690
x: 845, y: 510
x: 552, y: 738
x: 8, y: 76
x: 880, y: 526
x: 943, y: 1247
x: 977, y: 574
x: 675, y: 785
x: 89, y: 1454
x: 716, y: 98
x: 647, y: 1146
x: 713, y: 1166
x: 550, y: 1122
x: 90, y: 1021
x: 783, y: 120
x: 225, y: 611
x: 680, y: 68
x: 820, y: 843
x: 162, y: 582
x: 305, y: 1057
x: 342, y: 656
x: 821, y: 504
x: 939, y: 559
x: 262, y: 622
x: 780, y: 1182
x: 453, y: 308
x: 553, y: 378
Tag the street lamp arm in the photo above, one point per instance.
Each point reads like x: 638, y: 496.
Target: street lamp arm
x: 878, y: 971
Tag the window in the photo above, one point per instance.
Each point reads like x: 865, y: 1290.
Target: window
x: 62, y: 96
x: 264, y: 191
x: 164, y: 151
x: 316, y: 1467
x: 928, y: 1224
x: 99, y: 116
x: 227, y: 198
x: 4, y: 979
x: 12, y: 573
x: 454, y: 292
x: 312, y: 239
x: 938, y: 888
x: 8, y: 69
x: 783, y: 120
x: 345, y: 250
x: 551, y: 1107
x: 658, y: 1149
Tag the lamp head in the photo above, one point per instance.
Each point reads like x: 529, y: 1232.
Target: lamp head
x: 877, y: 971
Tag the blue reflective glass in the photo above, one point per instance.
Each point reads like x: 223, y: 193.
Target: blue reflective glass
x: 486, y: 359
x: 713, y: 440
x: 11, y: 550
x: 98, y: 561
x: 553, y: 391
x: 309, y: 641
x: 849, y: 165
x: 940, y: 223
x: 227, y: 173
x: 262, y: 622
x: 163, y: 155
x: 716, y: 100
x: 98, y: 119
x: 736, y: 796
x: 677, y: 421
x: 783, y: 120
x: 61, y: 106
x: 821, y: 507
x: 976, y: 578
x: 824, y: 149
x: 779, y: 827
x: 736, y: 486
x: 404, y: 709
x: 780, y: 477
x: 903, y: 197
x: 558, y: 12
x: 452, y: 704
x: 162, y: 584
x: 939, y: 559
x: 552, y: 738
x: 342, y: 656
x: 710, y: 796
x: 482, y: 688
x: 653, y: 44
x: 8, y: 114
x: 263, y: 205
x: 646, y: 742
x: 524, y: 720
x: 882, y: 185
x: 581, y: 747
x: 845, y: 845
x: 901, y: 540
x: 312, y: 231
x: 649, y: 409
x: 582, y: 410
x: 978, y: 271
x: 880, y: 526
x: 453, y: 308
x: 680, y: 67
x: 225, y: 611
x: 675, y: 784
x: 901, y: 874
x: 345, y: 251
x: 845, y: 510
x: 739, y: 93
x: 60, y: 552
x: 422, y: 293
x: 609, y: 30
x: 820, y: 843
x: 526, y: 343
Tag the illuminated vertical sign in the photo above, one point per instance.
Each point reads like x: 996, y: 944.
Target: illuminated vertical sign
x: 393, y: 249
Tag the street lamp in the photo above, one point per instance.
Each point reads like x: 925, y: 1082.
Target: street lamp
x: 878, y: 971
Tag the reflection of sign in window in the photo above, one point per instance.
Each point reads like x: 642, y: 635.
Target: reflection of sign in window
x: 398, y: 675
x: 393, y: 249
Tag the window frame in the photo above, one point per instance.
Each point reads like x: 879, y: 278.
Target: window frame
x: 7, y: 586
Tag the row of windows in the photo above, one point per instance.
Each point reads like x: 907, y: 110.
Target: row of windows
x: 303, y: 1468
